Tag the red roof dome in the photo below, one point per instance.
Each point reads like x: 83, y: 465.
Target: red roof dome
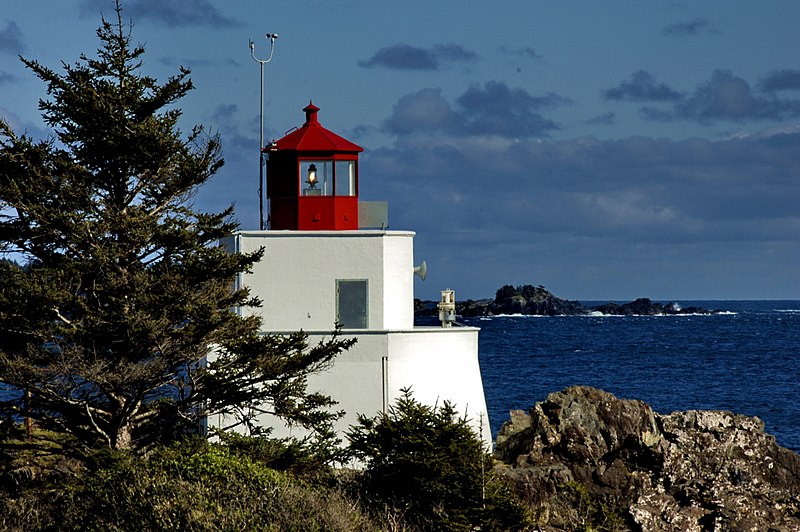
x: 312, y: 137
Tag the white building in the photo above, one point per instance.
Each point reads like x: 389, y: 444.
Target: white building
x: 321, y: 266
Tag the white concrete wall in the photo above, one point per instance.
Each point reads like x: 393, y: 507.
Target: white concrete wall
x: 398, y: 283
x: 441, y: 365
x: 437, y: 364
x: 296, y: 279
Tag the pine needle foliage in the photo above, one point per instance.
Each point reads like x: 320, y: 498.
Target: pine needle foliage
x: 428, y: 464
x: 122, y: 290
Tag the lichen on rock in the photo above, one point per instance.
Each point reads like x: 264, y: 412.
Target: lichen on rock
x: 692, y: 470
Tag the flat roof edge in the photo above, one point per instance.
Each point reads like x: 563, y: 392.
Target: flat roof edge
x: 290, y: 233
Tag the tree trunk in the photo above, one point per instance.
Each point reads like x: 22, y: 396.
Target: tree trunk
x: 123, y: 438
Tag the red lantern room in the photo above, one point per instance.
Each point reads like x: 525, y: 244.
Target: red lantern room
x: 312, y: 179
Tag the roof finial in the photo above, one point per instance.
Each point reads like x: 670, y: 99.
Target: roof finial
x: 311, y: 114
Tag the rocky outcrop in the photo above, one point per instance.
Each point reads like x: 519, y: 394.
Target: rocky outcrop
x: 645, y: 307
x: 537, y: 301
x: 693, y: 470
x: 532, y: 300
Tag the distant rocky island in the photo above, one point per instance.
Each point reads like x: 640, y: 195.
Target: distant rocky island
x: 537, y: 301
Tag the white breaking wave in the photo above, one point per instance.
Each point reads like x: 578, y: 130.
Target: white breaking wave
x: 519, y: 316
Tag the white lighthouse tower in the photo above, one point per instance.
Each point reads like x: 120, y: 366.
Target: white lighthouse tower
x: 330, y: 259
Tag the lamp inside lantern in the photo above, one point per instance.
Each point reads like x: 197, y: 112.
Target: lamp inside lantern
x: 312, y: 176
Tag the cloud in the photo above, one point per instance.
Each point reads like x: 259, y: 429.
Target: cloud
x: 526, y: 51
x: 605, y: 119
x: 692, y: 27
x: 6, y: 78
x: 407, y: 57
x: 642, y: 87
x: 493, y: 109
x: 175, y: 13
x: 638, y: 216
x: 781, y: 80
x: 725, y: 97
x: 496, y: 206
x: 426, y: 110
x: 497, y: 109
x: 728, y: 97
x: 193, y: 63
x: 24, y: 127
x: 223, y: 118
x: 453, y: 52
x: 11, y: 39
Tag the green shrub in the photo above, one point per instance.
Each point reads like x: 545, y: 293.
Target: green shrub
x: 429, y: 464
x: 305, y: 458
x: 575, y: 508
x: 190, y: 486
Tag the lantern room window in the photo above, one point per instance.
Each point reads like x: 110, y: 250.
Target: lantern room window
x: 316, y: 178
x: 345, y: 176
x: 328, y: 178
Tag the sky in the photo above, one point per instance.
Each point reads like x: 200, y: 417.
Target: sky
x: 604, y: 150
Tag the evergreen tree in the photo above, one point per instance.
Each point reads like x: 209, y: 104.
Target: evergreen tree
x: 427, y: 463
x: 123, y: 289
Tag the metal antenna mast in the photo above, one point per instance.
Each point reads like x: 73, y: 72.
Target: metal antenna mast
x: 262, y: 62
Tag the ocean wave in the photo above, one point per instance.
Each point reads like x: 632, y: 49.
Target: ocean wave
x: 598, y: 314
x: 519, y: 316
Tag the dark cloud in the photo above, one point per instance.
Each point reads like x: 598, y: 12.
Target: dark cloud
x: 426, y: 110
x: 494, y: 109
x: 527, y: 51
x: 642, y: 87
x: 191, y: 63
x: 11, y: 39
x: 224, y: 119
x: 605, y: 119
x: 692, y: 27
x: 6, y: 78
x: 362, y: 131
x: 174, y: 13
x: 781, y: 80
x: 224, y: 113
x: 402, y: 57
x: 725, y: 97
x: 407, y: 57
x: 453, y: 52
x: 623, y: 206
x: 728, y: 97
x: 657, y: 115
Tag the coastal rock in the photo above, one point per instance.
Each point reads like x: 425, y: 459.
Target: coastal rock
x: 645, y: 307
x: 532, y: 300
x: 693, y: 470
x: 537, y: 301
x: 524, y: 299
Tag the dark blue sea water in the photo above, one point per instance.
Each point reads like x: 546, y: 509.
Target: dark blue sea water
x: 746, y: 361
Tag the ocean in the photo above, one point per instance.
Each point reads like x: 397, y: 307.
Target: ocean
x: 746, y: 360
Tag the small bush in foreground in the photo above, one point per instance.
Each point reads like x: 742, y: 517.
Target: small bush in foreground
x: 429, y: 464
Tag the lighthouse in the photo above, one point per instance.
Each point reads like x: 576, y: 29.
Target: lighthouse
x: 330, y: 258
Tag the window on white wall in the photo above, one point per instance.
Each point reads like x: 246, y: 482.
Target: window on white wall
x: 351, y: 303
